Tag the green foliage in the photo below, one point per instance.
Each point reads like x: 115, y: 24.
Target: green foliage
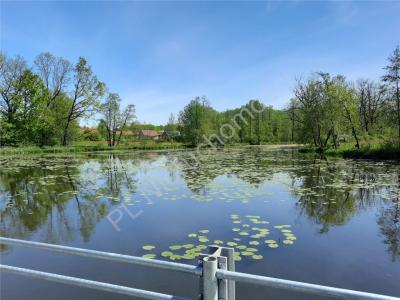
x: 88, y: 134
x: 253, y: 123
x: 35, y: 108
x: 197, y: 121
x: 330, y: 110
x: 392, y: 79
x: 26, y: 118
x: 386, y: 150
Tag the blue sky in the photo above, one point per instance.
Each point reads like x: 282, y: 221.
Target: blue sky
x: 159, y: 55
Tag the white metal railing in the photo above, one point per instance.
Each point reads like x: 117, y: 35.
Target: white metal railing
x: 216, y: 272
x: 106, y: 256
x: 89, y: 284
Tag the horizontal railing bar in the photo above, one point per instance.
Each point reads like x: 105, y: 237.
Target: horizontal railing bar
x: 300, y: 286
x: 107, y: 256
x: 221, y: 274
x: 89, y: 284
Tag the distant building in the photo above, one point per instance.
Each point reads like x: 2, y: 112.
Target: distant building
x: 169, y: 135
x: 147, y: 134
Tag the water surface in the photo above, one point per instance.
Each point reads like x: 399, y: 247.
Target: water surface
x: 333, y: 222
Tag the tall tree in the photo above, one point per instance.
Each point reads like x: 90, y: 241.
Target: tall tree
x: 22, y: 106
x: 349, y: 101
x: 10, y: 82
x: 309, y: 98
x: 171, y: 125
x: 55, y: 73
x: 371, y: 96
x: 327, y: 106
x: 196, y: 120
x: 258, y: 120
x: 392, y: 78
x: 126, y: 117
x: 115, y: 121
x: 87, y: 90
x: 30, y: 117
x: 291, y: 110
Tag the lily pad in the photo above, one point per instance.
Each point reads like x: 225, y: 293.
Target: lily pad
x: 166, y: 254
x: 148, y: 247
x: 175, y: 257
x: 257, y: 256
x: 175, y: 247
x: 252, y: 249
x: 270, y: 241
x: 203, y: 239
x: 256, y: 236
x: 237, y: 258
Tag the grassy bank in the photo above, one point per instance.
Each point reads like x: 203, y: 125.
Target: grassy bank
x: 81, y: 147
x: 376, y: 151
x: 385, y: 151
x: 91, y: 147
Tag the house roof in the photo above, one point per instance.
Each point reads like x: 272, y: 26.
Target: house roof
x: 150, y: 133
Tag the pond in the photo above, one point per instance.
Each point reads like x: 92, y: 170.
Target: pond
x: 289, y: 215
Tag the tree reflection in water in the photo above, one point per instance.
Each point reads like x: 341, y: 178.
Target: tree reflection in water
x: 389, y: 225
x: 63, y: 196
x: 66, y: 196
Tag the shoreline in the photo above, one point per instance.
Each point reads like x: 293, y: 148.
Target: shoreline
x: 124, y: 148
x: 376, y: 153
x: 380, y: 152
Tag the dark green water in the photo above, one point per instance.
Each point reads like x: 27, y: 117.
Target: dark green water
x: 333, y: 222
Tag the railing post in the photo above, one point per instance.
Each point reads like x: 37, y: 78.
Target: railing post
x: 231, y: 267
x: 210, y: 281
x: 222, y: 283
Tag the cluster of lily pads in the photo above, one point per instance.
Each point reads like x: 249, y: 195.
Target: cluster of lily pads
x: 255, y: 234
x: 250, y: 236
x: 224, y: 189
x: 87, y: 176
x: 185, y: 251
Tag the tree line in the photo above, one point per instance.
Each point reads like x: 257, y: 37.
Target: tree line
x: 252, y: 123
x: 42, y: 105
x: 325, y: 110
